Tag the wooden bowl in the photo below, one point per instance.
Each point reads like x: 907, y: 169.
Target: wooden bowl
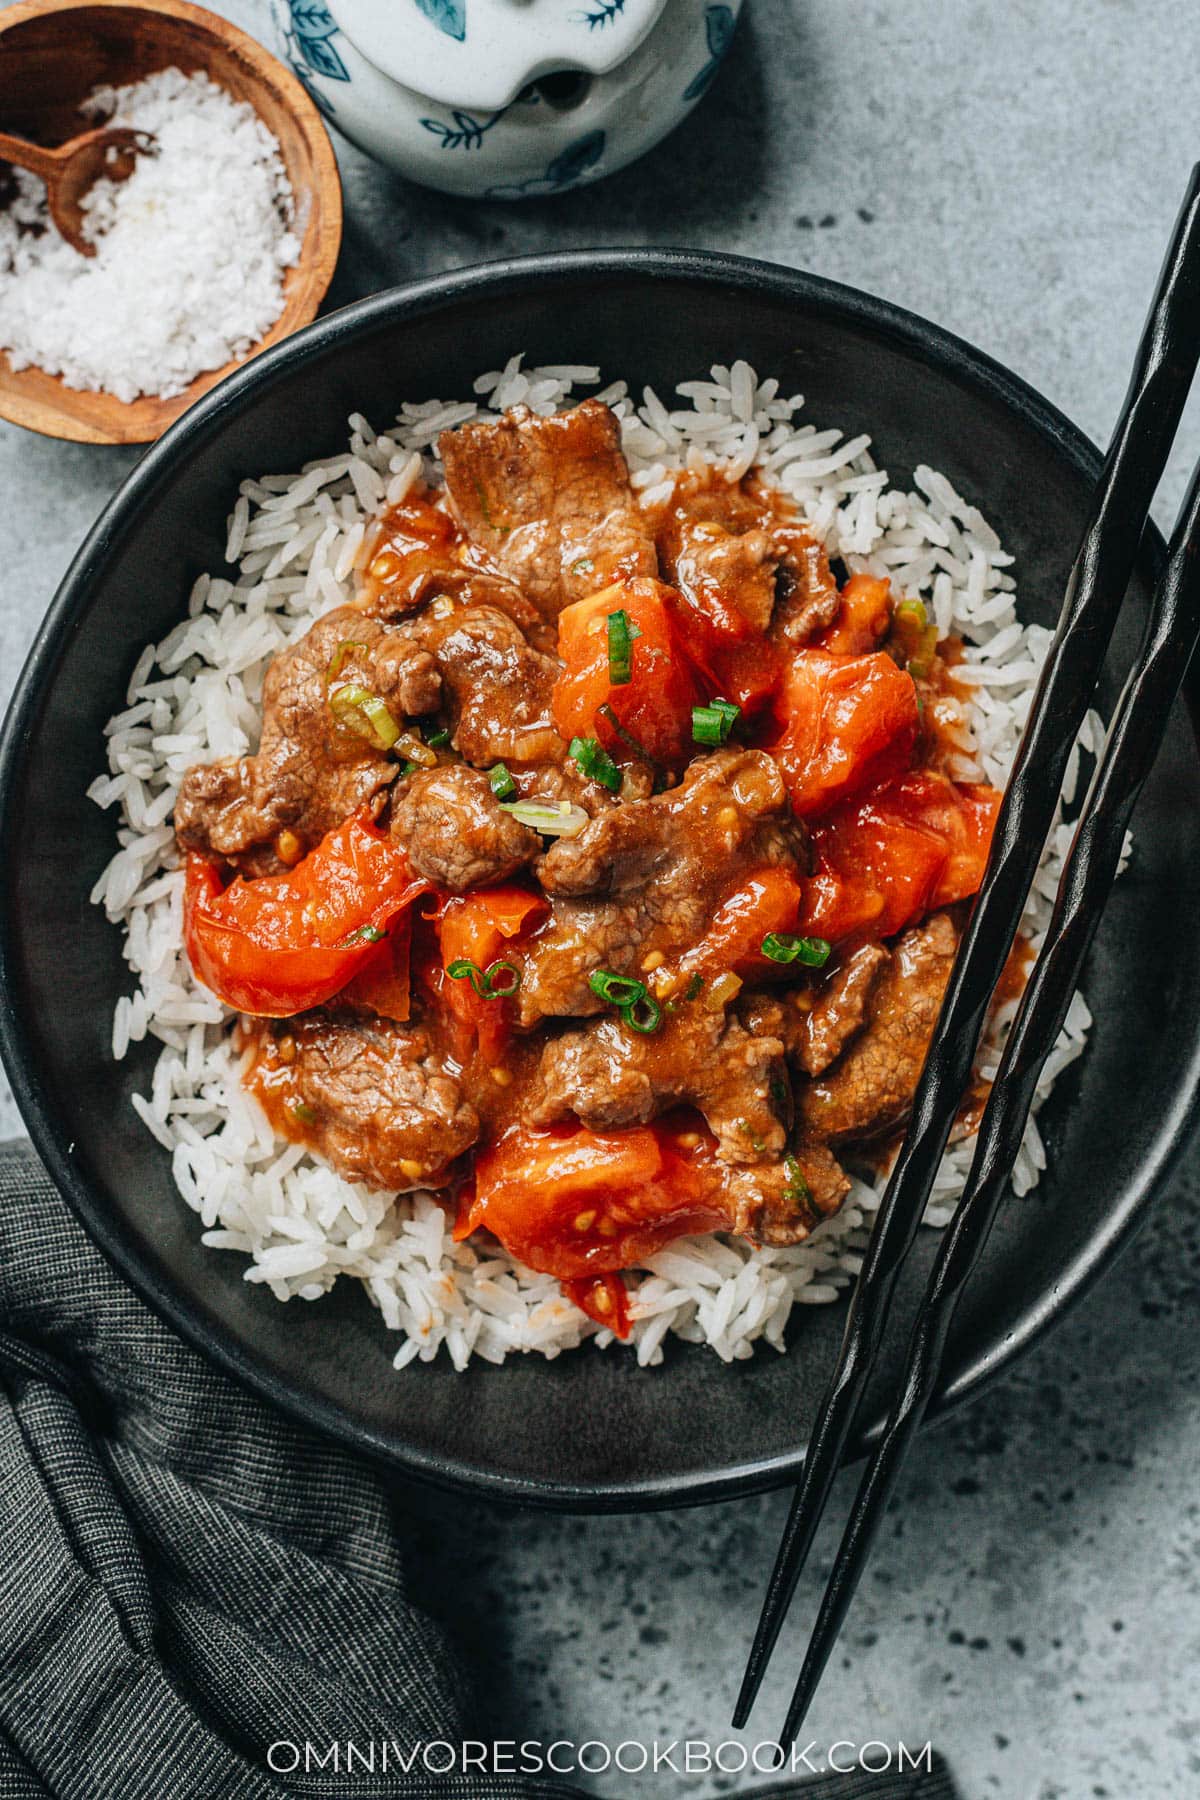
x: 52, y: 54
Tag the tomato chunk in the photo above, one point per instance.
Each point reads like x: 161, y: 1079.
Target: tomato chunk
x: 655, y: 705
x: 288, y: 942
x: 769, y: 900
x: 861, y: 620
x: 848, y: 724
x: 479, y: 927
x: 884, y: 861
x: 578, y: 1203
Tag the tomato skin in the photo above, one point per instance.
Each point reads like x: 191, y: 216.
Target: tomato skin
x: 604, y: 1298
x: 383, y: 982
x: 862, y: 619
x: 769, y: 900
x: 886, y: 860
x: 655, y: 704
x: 478, y: 927
x: 849, y: 723
x: 277, y: 946
x: 577, y: 1203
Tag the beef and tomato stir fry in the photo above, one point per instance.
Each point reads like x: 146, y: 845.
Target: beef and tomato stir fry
x: 598, y: 866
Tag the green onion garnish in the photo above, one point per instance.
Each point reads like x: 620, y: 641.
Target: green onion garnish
x: 712, y: 724
x: 782, y: 947
x: 596, y: 763
x: 797, y: 1188
x: 503, y: 785
x: 551, y: 821
x: 408, y: 768
x: 364, y: 713
x: 339, y: 656
x: 499, y: 981
x: 643, y: 1016
x: 620, y: 648
x: 640, y: 1010
x: 437, y: 738
x: 366, y: 934
x: 302, y: 1112
x: 618, y: 990
x: 584, y: 566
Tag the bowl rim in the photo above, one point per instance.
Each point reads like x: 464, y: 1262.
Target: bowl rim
x: 270, y: 71
x: 847, y: 305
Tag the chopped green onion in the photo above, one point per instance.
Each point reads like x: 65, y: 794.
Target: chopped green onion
x: 408, y: 768
x: 503, y: 785
x: 640, y: 1010
x: 366, y: 934
x: 437, y: 738
x: 911, y: 612
x: 584, y: 566
x: 713, y: 724
x: 596, y: 763
x: 302, y: 1112
x: 620, y: 648
x: 642, y: 1016
x: 496, y: 991
x: 551, y: 821
x: 782, y: 947
x: 484, y: 981
x: 618, y: 990
x: 339, y: 656
x: 797, y: 1188
x: 693, y: 987
x: 364, y: 713
x: 756, y: 1142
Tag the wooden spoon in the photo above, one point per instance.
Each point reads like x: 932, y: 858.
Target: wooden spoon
x: 69, y: 170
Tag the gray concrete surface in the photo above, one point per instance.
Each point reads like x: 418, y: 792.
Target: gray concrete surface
x: 1011, y: 172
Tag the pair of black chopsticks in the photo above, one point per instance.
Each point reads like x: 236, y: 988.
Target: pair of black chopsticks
x: 1162, y: 376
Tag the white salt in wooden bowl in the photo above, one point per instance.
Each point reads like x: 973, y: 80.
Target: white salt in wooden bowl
x: 52, y: 54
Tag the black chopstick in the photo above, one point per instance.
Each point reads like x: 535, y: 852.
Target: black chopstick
x: 1135, y: 737
x: 1162, y: 374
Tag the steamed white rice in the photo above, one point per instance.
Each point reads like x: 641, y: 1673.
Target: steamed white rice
x: 293, y: 546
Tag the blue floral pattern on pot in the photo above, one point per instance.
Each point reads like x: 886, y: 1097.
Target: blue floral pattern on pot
x: 449, y: 16
x: 568, y: 168
x: 602, y: 13
x: 466, y: 133
x: 506, y: 140
x: 719, y: 23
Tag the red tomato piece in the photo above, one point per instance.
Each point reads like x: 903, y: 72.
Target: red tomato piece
x: 604, y: 1298
x: 578, y: 1203
x: 383, y: 983
x: 655, y: 705
x: 885, y: 861
x: 288, y: 942
x: 862, y: 619
x: 769, y: 900
x: 479, y: 927
x: 849, y: 722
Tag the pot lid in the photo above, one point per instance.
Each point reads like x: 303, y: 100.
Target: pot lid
x: 481, y: 53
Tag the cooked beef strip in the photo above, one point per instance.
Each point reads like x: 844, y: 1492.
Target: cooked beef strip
x: 808, y: 597
x: 386, y: 1111
x: 607, y: 1074
x: 549, y: 500
x: 869, y: 1088
x: 700, y: 552
x: 816, y: 1022
x: 455, y: 831
x: 647, y: 875
x: 498, y: 687
x: 769, y: 1209
x: 310, y: 773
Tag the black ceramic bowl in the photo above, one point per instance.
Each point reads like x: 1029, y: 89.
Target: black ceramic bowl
x: 589, y: 1430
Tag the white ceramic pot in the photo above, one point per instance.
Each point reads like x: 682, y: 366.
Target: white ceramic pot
x: 505, y: 98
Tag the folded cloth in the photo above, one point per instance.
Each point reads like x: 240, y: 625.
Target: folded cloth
x: 192, y: 1585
